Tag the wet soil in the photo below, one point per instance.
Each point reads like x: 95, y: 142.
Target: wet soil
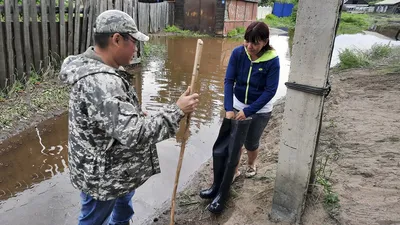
x: 359, y: 137
x: 36, y: 104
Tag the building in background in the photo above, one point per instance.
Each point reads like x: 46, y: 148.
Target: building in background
x: 216, y: 17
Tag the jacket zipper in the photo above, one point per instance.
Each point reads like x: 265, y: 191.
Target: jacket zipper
x: 248, y: 83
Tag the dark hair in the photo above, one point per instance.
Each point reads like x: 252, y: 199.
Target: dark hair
x: 101, y: 39
x: 258, y: 31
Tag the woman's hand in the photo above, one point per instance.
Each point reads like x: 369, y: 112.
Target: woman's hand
x: 240, y: 115
x: 230, y: 115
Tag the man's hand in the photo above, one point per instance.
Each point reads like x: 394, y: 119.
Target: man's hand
x: 240, y: 115
x: 188, y: 103
x: 230, y: 115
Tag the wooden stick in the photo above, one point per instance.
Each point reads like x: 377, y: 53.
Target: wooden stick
x: 196, y: 67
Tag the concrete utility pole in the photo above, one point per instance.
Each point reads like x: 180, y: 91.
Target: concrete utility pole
x: 312, y: 50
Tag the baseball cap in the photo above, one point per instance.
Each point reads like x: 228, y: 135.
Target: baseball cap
x: 116, y: 21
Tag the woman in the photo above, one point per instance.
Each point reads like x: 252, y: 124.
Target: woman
x: 251, y: 82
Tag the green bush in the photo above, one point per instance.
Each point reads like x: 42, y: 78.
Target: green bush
x: 232, y: 33
x: 358, y: 59
x: 238, y: 32
x: 353, y: 59
x: 380, y: 51
x: 172, y: 29
x: 241, y: 30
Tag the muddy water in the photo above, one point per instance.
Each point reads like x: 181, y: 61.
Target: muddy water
x: 33, y: 156
x: 31, y: 159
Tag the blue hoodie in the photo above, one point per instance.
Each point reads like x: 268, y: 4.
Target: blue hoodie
x: 254, y: 83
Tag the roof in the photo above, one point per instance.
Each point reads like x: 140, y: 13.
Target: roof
x: 388, y: 2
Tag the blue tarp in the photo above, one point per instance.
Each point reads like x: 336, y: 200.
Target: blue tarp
x: 282, y: 9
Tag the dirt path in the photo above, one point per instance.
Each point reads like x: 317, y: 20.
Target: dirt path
x: 362, y: 121
x: 360, y: 138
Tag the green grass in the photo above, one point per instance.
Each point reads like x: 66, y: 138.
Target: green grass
x: 367, y: 58
x: 383, y: 19
x: 238, y: 32
x: 353, y: 23
x: 179, y: 32
x: 331, y: 198
x: 40, y: 92
x: 353, y: 59
x: 322, y: 179
x: 153, y: 50
x: 279, y: 22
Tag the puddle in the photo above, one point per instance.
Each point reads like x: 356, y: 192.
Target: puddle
x: 33, y: 156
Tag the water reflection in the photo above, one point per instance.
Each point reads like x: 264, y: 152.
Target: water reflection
x: 33, y: 156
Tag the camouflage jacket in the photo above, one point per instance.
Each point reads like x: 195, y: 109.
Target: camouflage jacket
x: 111, y: 144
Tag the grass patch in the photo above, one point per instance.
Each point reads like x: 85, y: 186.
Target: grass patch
x: 39, y: 93
x: 280, y: 22
x: 330, y: 198
x: 353, y: 59
x: 186, y: 33
x: 383, y: 19
x: 353, y: 23
x: 367, y: 58
x: 238, y: 32
x: 152, y: 50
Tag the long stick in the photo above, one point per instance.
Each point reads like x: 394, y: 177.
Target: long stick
x: 196, y: 67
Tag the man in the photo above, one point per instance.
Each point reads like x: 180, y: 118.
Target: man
x: 111, y: 141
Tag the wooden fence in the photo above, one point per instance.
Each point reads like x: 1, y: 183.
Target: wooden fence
x: 155, y: 17
x: 51, y: 30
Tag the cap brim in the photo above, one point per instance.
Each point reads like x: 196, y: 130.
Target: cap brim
x: 140, y: 36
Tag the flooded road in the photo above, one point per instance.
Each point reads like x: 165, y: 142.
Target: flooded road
x: 34, y: 181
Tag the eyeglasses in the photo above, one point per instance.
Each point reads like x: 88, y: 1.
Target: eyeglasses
x: 132, y: 39
x: 126, y: 36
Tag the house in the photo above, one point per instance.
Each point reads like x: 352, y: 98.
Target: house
x: 357, y: 6
x: 388, y: 6
x: 355, y: 2
x: 216, y: 17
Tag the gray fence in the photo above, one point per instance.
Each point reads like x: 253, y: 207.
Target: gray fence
x: 31, y: 34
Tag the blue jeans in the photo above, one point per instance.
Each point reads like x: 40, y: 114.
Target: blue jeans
x: 113, y: 212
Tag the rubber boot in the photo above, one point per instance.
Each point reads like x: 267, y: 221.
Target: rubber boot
x: 237, y: 137
x: 218, y: 170
x: 219, y: 158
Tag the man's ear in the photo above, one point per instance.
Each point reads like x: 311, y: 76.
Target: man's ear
x: 116, y: 39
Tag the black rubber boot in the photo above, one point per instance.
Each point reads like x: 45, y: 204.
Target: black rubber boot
x: 220, y: 150
x: 218, y: 170
x: 236, y: 139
